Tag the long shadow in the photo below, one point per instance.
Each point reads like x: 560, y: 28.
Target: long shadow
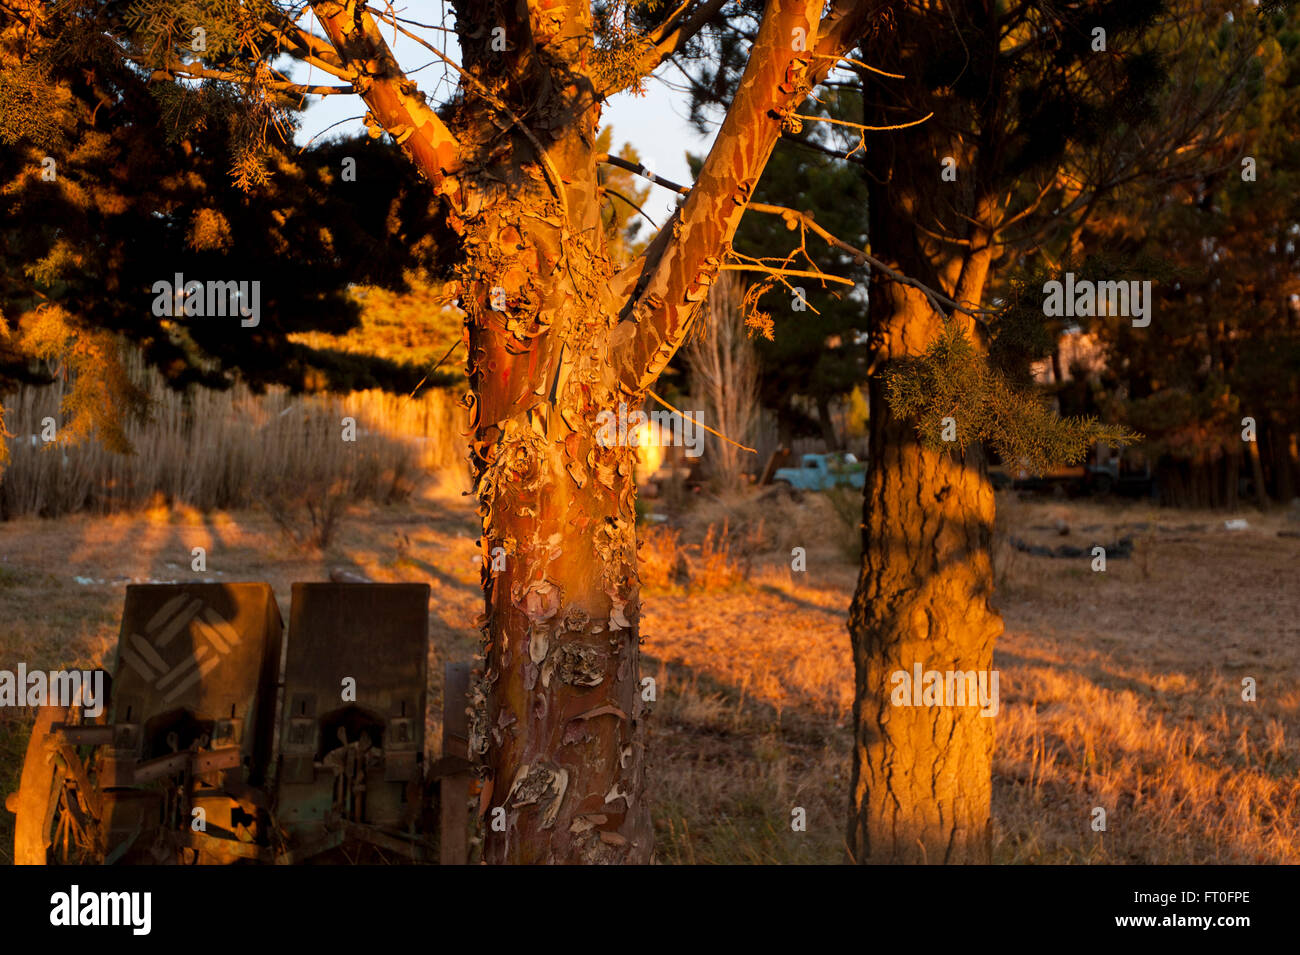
x: 1101, y: 676
x: 442, y: 576
x: 801, y: 602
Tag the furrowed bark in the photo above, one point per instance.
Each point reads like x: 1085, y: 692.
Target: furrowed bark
x: 922, y: 774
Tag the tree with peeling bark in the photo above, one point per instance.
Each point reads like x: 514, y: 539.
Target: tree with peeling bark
x: 557, y: 331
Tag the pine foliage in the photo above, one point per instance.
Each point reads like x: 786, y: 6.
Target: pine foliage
x: 953, y: 390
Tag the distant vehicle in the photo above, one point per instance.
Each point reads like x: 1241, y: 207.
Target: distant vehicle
x: 1125, y: 476
x: 1120, y: 476
x: 820, y: 472
x: 1059, y: 482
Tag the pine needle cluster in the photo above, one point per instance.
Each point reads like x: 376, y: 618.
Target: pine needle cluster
x: 957, y: 397
x: 102, y: 397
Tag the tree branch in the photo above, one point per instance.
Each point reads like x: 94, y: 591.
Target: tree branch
x: 863, y: 257
x: 307, y: 47
x: 552, y: 174
x: 686, y: 255
x: 843, y: 28
x: 860, y: 256
x: 394, y: 100
x: 641, y: 171
x: 194, y: 71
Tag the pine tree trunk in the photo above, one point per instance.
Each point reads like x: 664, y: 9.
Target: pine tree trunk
x: 1282, y: 465
x: 827, y: 425
x: 1257, y: 475
x: 922, y: 775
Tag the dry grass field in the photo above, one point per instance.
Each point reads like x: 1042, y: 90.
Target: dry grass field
x: 1119, y: 689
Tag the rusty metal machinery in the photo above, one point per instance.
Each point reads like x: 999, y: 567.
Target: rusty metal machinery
x: 207, y: 753
x: 352, y: 740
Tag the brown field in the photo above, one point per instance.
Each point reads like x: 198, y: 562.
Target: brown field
x: 1120, y: 690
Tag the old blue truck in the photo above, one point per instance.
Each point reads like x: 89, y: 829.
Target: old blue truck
x: 819, y: 472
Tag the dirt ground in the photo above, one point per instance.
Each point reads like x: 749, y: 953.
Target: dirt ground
x: 1120, y: 690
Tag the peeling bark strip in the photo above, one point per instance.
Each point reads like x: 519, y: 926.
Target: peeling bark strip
x: 557, y: 719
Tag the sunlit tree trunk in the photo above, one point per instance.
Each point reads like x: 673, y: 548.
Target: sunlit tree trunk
x: 922, y: 775
x: 561, y: 347
x: 559, y: 706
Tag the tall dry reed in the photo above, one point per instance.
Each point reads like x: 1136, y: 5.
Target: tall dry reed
x: 228, y: 449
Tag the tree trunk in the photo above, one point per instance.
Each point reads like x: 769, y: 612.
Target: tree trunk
x: 827, y: 424
x: 559, y: 720
x: 557, y: 714
x: 1283, y: 468
x: 1257, y: 475
x: 922, y: 775
x: 560, y: 348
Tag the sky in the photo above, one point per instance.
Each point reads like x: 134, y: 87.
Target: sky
x: 655, y: 123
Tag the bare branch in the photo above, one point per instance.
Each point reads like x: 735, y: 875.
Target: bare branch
x: 618, y: 195
x: 304, y: 42
x: 701, y: 424
x: 394, y: 100
x: 194, y: 71
x: 863, y: 257
x: 795, y: 273
x: 794, y: 123
x: 641, y: 171
x: 858, y: 63
x: 687, y: 253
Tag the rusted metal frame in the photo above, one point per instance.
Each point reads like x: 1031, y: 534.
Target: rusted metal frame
x: 224, y: 848
x: 331, y: 840
x: 79, y: 734
x: 195, y: 763
x: 71, y: 760
x: 411, y: 846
